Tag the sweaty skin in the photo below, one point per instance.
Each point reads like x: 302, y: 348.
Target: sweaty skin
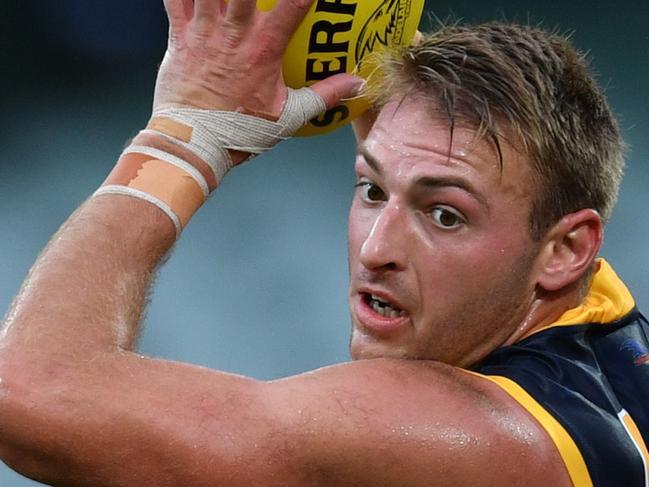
x: 444, y: 238
x: 428, y: 230
x: 80, y: 407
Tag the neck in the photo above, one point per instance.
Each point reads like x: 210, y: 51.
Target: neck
x: 545, y: 309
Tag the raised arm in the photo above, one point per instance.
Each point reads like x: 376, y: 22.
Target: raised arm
x: 124, y: 420
x: 86, y: 291
x: 79, y: 406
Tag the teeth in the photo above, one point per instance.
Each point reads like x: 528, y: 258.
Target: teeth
x: 384, y: 309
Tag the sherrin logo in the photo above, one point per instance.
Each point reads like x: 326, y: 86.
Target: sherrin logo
x: 335, y: 37
x: 384, y: 28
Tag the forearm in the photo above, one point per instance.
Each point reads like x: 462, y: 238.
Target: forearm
x: 75, y: 404
x: 87, y: 290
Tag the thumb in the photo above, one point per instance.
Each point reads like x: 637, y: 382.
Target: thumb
x: 338, y: 88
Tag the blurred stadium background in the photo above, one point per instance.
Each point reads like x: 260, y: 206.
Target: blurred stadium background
x: 257, y: 285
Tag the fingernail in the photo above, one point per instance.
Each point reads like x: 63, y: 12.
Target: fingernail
x: 360, y: 87
x: 418, y: 39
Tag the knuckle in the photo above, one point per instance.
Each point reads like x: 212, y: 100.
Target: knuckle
x: 175, y: 39
x: 232, y: 39
x: 266, y: 48
x: 300, y: 4
x: 333, y: 95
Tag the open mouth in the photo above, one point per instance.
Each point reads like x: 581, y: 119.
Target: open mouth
x: 382, y: 307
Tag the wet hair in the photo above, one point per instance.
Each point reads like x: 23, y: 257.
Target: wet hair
x: 527, y: 86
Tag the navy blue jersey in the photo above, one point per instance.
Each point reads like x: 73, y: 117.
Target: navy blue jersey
x: 585, y: 378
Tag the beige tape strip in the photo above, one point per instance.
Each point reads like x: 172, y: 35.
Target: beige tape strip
x: 172, y: 128
x: 163, y: 181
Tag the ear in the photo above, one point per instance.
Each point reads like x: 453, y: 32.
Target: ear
x: 569, y: 249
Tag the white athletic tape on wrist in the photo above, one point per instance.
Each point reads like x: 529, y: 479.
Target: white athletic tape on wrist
x: 143, y: 195
x: 209, y: 134
x: 215, y: 132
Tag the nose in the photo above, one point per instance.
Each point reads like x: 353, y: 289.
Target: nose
x: 385, y: 245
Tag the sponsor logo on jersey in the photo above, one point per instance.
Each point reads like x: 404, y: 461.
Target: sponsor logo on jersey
x: 639, y: 352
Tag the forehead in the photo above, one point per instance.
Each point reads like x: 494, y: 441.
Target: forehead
x: 410, y: 135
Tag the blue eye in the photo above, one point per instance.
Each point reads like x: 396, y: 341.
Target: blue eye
x: 446, y: 217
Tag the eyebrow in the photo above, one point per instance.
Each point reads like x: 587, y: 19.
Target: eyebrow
x: 427, y: 181
x: 371, y: 161
x: 450, y: 181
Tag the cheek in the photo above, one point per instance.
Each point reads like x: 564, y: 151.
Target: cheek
x: 461, y: 271
x: 495, y: 249
x: 503, y: 254
x: 359, y: 226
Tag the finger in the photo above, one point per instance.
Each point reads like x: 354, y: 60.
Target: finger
x: 285, y: 18
x: 240, y: 12
x: 207, y: 11
x: 418, y: 39
x: 188, y: 6
x: 179, y: 12
x: 338, y: 88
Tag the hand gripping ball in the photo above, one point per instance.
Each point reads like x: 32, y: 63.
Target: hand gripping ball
x: 335, y: 37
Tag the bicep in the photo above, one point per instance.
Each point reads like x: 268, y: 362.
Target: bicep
x: 120, y: 419
x: 129, y: 420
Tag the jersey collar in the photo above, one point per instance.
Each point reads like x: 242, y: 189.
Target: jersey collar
x: 608, y: 300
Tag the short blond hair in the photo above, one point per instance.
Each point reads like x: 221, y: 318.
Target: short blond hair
x: 514, y: 79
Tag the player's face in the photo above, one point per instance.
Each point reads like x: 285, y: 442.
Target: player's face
x: 441, y: 258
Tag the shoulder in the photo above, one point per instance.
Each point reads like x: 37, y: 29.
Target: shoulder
x: 586, y: 385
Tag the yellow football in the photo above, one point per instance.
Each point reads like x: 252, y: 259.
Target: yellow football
x: 335, y: 37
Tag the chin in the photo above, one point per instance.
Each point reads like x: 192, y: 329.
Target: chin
x: 364, y: 348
